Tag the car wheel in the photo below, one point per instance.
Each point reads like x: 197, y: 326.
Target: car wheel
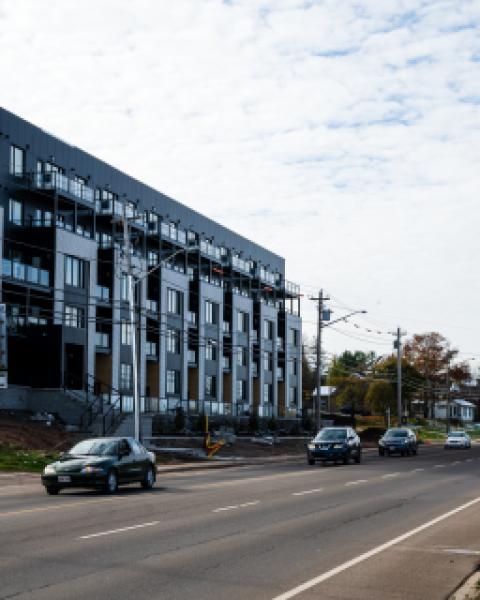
x: 358, y: 457
x: 414, y: 451
x: 381, y: 453
x: 311, y: 461
x: 52, y: 490
x: 149, y: 479
x: 403, y: 452
x: 111, y: 485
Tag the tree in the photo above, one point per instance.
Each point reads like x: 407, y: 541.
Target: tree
x: 351, y: 393
x: 351, y: 363
x: 380, y: 396
x: 412, y: 380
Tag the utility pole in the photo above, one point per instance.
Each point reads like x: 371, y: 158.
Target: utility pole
x: 397, y: 344
x: 133, y: 327
x: 318, y: 371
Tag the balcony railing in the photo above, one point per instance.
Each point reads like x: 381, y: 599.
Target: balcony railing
x: 61, y: 183
x: 103, y: 293
x: 23, y: 272
x: 152, y: 306
x: 151, y: 349
x: 102, y: 340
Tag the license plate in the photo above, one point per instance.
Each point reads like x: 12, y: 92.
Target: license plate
x: 64, y: 479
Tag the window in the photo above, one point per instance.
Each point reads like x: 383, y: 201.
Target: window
x: 15, y: 212
x: 210, y: 386
x: 210, y: 350
x: 125, y: 333
x: 267, y: 393
x: 293, y: 395
x: 242, y: 356
x: 242, y: 321
x: 126, y: 376
x: 268, y: 329
x: 241, y: 390
x: 17, y: 161
x: 124, y: 288
x: 267, y: 361
x: 74, y: 271
x: 152, y: 258
x: 173, y: 341
x: 173, y: 382
x: 292, y: 367
x: 174, y: 301
x: 211, y: 312
x: 73, y: 316
x: 294, y: 337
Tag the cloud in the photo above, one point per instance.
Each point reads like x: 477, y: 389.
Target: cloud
x: 343, y: 135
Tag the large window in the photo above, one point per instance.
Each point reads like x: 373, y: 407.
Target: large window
x: 210, y: 386
x: 268, y: 329
x: 210, y: 350
x: 126, y: 376
x: 267, y: 393
x: 292, y: 367
x: 211, y: 312
x: 74, y: 271
x: 241, y: 390
x: 267, y: 361
x: 242, y: 355
x: 292, y: 395
x: 173, y: 341
x: 294, y: 336
x: 242, y: 321
x: 125, y: 333
x: 74, y: 316
x: 174, y: 302
x: 17, y: 161
x: 173, y: 382
x: 15, y: 212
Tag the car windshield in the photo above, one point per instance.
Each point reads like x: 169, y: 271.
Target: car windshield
x: 456, y: 434
x: 94, y: 448
x: 396, y: 433
x: 328, y: 435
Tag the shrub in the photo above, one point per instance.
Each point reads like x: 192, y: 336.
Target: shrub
x: 179, y: 421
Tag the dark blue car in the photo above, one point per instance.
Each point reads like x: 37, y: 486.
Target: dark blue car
x: 335, y: 444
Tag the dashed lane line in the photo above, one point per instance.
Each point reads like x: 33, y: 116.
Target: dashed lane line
x: 357, y: 482
x: 388, y: 475
x: 114, y: 531
x: 236, y: 506
x: 305, y: 492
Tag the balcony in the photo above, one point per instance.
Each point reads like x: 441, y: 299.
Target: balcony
x: 62, y: 184
x: 25, y: 273
x: 226, y: 327
x: 226, y: 363
x: 152, y: 306
x: 151, y: 350
x: 192, y: 318
x: 254, y: 336
x: 280, y: 373
x: 103, y: 293
x: 254, y: 370
x: 102, y: 340
x: 280, y: 344
x: 192, y: 357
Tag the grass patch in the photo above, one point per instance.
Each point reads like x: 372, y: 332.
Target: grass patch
x: 16, y: 459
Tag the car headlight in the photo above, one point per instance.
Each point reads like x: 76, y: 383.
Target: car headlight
x: 49, y: 470
x: 91, y: 469
x: 311, y: 446
x: 381, y: 442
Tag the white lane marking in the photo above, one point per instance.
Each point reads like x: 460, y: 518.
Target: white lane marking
x: 121, y: 530
x: 390, y: 475
x: 456, y: 462
x: 307, y: 492
x: 417, y: 470
x: 438, y: 466
x: 234, y: 506
x: 462, y: 551
x: 469, y: 460
x: 357, y: 482
x: 374, y: 551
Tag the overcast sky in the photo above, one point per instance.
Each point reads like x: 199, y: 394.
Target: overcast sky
x: 344, y: 135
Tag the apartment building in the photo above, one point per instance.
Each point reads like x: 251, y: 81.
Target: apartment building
x: 217, y: 324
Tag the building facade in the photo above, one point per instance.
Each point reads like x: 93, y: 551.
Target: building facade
x: 218, y: 327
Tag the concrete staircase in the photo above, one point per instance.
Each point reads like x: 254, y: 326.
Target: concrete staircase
x: 126, y: 426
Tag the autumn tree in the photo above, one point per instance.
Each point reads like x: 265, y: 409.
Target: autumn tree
x: 380, y: 396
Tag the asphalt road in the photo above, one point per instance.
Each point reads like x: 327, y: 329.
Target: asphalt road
x: 388, y: 528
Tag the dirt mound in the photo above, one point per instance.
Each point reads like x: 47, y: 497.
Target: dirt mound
x: 31, y: 435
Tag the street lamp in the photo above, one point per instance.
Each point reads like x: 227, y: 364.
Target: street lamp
x: 320, y: 326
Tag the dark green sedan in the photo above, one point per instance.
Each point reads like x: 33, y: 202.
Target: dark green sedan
x: 101, y: 463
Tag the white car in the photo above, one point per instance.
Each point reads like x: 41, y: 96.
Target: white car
x: 458, y: 439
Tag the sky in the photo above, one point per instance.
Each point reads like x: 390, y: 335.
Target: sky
x: 343, y: 135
